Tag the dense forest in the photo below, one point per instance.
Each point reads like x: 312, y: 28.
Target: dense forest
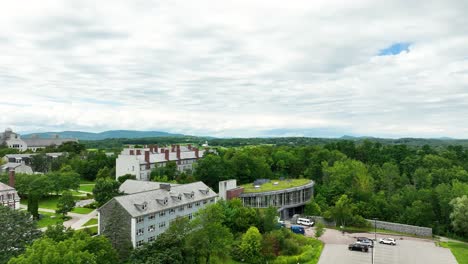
x: 398, y: 183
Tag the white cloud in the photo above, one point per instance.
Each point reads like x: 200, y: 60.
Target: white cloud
x: 237, y: 68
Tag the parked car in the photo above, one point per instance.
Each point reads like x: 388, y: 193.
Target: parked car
x: 358, y: 247
x: 298, y: 229
x: 305, y: 221
x: 388, y: 241
x: 365, y: 241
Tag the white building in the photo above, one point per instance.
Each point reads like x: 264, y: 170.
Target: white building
x: 8, y: 195
x: 145, y: 214
x: 17, y: 167
x: 14, y: 140
x: 140, y: 161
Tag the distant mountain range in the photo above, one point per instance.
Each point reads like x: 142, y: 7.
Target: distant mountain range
x: 103, y: 135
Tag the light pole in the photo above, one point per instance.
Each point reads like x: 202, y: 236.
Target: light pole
x: 375, y: 239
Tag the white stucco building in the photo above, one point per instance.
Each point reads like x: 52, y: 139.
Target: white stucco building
x: 140, y: 161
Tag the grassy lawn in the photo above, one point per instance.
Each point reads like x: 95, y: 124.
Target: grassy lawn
x: 92, y: 230
x: 49, y: 202
x: 49, y: 219
x: 459, y: 250
x: 92, y: 221
x: 83, y: 181
x: 87, y: 187
x: 82, y: 210
x: 271, y: 186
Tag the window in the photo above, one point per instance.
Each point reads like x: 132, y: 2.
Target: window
x: 181, y: 209
x: 162, y: 213
x: 197, y: 204
x: 139, y: 243
x: 139, y: 220
x: 172, y: 211
x: 151, y: 239
x: 190, y: 216
x: 162, y: 224
x: 205, y: 201
x: 189, y: 205
x: 151, y: 216
x: 151, y: 228
x: 140, y: 231
x: 212, y: 200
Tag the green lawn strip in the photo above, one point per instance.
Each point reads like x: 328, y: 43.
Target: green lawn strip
x: 92, y: 221
x: 83, y: 181
x: 82, y: 210
x: 87, y: 187
x: 49, y: 219
x: 459, y: 250
x: 92, y: 230
x: 270, y: 186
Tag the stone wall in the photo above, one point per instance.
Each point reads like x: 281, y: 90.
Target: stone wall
x: 409, y: 229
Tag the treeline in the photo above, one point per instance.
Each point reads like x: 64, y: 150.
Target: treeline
x: 410, y: 185
x: 115, y: 144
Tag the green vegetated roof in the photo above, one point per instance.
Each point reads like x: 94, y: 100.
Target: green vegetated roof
x: 271, y: 186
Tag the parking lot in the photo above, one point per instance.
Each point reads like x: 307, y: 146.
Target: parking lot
x: 407, y: 251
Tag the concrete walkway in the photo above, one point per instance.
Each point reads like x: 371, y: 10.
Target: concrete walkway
x: 77, y: 220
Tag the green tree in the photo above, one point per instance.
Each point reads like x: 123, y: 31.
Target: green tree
x: 103, y: 173
x: 319, y: 229
x: 251, y: 246
x: 210, y: 236
x: 40, y: 162
x: 459, y: 215
x: 105, y: 189
x: 312, y: 208
x: 65, y: 203
x: 342, y: 212
x: 80, y: 248
x: 17, y: 231
x: 211, y: 170
x: 125, y: 177
x: 58, y: 232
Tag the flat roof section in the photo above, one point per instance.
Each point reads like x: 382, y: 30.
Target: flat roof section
x: 275, y: 185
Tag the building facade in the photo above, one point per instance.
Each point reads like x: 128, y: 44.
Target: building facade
x: 145, y: 215
x: 140, y: 161
x: 8, y: 195
x: 14, y: 140
x: 289, y: 201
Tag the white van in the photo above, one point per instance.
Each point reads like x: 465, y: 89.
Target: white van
x: 305, y: 222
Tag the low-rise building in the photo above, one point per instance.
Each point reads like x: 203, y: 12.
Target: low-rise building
x: 289, y: 196
x: 14, y: 140
x: 26, y: 158
x: 140, y: 161
x: 8, y: 195
x: 142, y: 216
x: 17, y: 167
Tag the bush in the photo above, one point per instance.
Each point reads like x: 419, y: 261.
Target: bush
x: 319, y: 230
x: 359, y: 221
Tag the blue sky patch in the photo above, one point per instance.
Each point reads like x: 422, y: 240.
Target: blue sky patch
x: 395, y: 49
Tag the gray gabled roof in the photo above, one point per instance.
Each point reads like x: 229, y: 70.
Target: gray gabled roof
x: 10, y: 165
x: 4, y: 187
x: 161, y: 199
x: 45, y: 142
x: 134, y: 186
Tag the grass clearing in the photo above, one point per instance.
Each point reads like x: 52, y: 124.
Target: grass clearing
x: 87, y: 187
x: 48, y: 202
x: 271, y: 186
x: 459, y: 250
x: 49, y: 219
x: 92, y: 230
x: 92, y: 221
x: 82, y: 210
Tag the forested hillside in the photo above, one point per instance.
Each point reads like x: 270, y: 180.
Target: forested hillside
x: 411, y: 185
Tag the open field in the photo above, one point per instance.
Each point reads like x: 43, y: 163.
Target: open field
x: 270, y: 186
x: 49, y: 202
x: 49, y: 219
x: 82, y: 210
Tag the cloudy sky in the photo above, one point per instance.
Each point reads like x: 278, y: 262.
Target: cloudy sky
x: 236, y: 68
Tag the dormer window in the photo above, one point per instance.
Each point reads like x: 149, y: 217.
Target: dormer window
x: 205, y: 191
x: 142, y: 206
x: 162, y: 201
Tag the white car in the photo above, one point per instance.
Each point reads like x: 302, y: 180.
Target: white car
x: 388, y: 241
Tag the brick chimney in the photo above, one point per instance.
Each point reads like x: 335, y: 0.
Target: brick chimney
x: 138, y: 152
x: 132, y: 152
x: 178, y: 152
x: 11, y: 174
x: 147, y: 159
x: 189, y: 146
x: 196, y: 153
x: 155, y: 148
x: 167, y: 154
x: 172, y: 148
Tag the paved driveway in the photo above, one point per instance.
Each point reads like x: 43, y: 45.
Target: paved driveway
x: 407, y: 251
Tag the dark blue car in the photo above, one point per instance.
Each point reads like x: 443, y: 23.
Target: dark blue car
x: 298, y: 229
